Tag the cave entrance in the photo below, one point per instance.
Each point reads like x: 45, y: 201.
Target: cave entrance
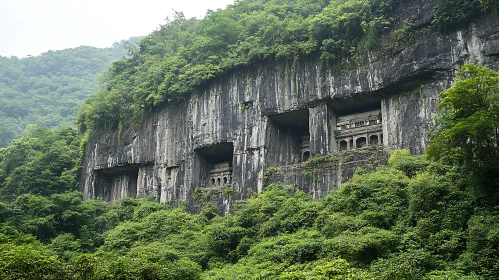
x: 216, y: 164
x: 290, y: 137
x: 117, y: 182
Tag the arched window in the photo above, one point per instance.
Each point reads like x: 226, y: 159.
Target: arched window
x: 212, y: 181
x: 373, y: 140
x: 343, y: 145
x: 225, y: 181
x: 218, y: 181
x: 361, y: 142
x: 306, y: 156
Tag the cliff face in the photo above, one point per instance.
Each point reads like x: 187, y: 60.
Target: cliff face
x: 220, y: 142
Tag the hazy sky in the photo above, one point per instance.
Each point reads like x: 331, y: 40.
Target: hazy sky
x: 31, y: 27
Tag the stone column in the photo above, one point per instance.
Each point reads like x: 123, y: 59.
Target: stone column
x: 322, y: 122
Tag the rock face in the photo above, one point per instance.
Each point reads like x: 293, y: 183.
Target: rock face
x: 227, y: 134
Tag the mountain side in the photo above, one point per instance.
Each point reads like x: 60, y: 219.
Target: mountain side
x: 49, y: 89
x: 313, y: 117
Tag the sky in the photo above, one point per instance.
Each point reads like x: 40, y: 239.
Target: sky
x: 32, y: 27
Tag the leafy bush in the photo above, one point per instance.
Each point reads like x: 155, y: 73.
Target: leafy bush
x: 410, y: 265
x: 363, y: 246
x: 29, y: 262
x: 449, y: 13
x: 410, y: 165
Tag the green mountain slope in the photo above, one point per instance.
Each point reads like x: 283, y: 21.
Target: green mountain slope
x: 49, y: 89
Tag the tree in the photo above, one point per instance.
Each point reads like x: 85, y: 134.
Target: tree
x: 42, y: 162
x: 467, y: 131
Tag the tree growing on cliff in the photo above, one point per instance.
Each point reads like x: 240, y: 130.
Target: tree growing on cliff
x: 467, y: 130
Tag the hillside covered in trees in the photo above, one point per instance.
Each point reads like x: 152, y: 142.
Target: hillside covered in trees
x: 432, y: 216
x: 49, y: 89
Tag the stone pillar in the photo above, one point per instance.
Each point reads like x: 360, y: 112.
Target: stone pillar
x: 144, y: 183
x: 322, y: 122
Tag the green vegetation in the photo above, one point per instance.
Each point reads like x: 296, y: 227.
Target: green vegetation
x: 380, y: 225
x: 185, y: 53
x: 468, y: 123
x: 49, y: 89
x: 420, y: 217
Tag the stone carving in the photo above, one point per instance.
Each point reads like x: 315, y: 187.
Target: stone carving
x: 359, y: 130
x: 220, y: 175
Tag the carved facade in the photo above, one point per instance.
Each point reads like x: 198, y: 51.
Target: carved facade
x: 359, y: 130
x: 221, y: 175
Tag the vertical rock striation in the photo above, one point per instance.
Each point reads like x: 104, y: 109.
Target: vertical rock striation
x: 258, y: 117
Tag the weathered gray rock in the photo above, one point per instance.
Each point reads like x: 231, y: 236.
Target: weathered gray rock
x: 257, y: 117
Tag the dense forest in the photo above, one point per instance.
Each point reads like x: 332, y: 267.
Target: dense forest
x: 433, y: 216
x: 49, y: 89
x: 185, y: 53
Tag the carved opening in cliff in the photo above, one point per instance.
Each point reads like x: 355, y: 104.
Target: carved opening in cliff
x: 343, y: 145
x: 117, y: 182
x: 216, y: 164
x: 168, y: 173
x: 305, y: 156
x: 289, y: 137
x: 305, y: 147
x: 357, y: 104
x: 361, y: 142
x: 358, y: 130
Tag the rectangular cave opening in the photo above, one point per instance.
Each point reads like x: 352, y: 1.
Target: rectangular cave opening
x: 117, y: 182
x: 356, y: 104
x: 216, y: 164
x: 292, y: 135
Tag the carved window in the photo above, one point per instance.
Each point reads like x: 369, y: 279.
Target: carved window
x: 360, y: 124
x: 343, y: 145
x: 306, y: 156
x: 305, y: 147
x: 361, y: 142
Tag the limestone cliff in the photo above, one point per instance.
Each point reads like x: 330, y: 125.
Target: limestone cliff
x: 227, y: 134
